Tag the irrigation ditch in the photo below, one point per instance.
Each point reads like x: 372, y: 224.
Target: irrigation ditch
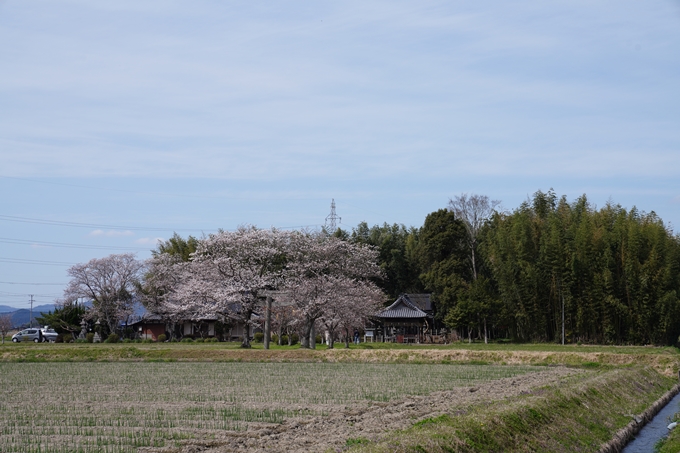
x: 625, y: 435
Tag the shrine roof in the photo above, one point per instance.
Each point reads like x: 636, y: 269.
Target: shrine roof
x: 403, y: 307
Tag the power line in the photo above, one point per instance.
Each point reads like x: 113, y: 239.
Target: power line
x: 32, y: 284
x: 4, y: 294
x: 41, y: 262
x: 135, y: 192
x: 67, y: 245
x: 8, y: 218
x: 87, y: 225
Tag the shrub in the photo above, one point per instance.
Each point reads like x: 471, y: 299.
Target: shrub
x: 275, y: 338
x: 162, y: 337
x: 89, y: 337
x: 81, y: 340
x: 294, y: 339
x: 318, y: 339
x: 187, y: 340
x: 127, y: 340
x: 258, y: 337
x: 213, y: 340
x: 112, y: 338
x: 65, y: 338
x: 147, y: 340
x: 199, y: 340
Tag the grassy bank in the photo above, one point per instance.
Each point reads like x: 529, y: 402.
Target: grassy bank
x: 663, y: 360
x: 579, y: 416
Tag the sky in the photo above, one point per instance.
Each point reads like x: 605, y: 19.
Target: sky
x: 123, y: 122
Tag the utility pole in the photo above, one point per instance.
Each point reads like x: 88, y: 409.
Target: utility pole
x: 332, y: 218
x: 30, y: 316
x: 562, y: 319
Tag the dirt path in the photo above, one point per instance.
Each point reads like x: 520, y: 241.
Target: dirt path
x: 367, y: 420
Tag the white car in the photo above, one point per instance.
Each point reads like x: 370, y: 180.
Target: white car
x: 35, y: 334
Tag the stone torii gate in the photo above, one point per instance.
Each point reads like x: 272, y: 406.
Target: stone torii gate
x: 268, y: 302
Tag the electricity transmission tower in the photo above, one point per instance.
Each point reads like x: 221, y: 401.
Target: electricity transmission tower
x: 331, y: 219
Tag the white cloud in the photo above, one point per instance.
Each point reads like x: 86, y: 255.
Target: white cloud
x: 149, y: 241
x: 112, y: 233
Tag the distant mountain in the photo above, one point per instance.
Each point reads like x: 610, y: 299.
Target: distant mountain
x: 44, y: 308
x: 38, y: 308
x: 21, y: 316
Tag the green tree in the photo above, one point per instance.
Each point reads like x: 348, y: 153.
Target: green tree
x: 395, y: 244
x: 442, y: 256
x: 66, y: 318
x: 177, y: 246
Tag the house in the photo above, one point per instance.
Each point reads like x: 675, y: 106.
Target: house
x: 410, y: 319
x: 149, y: 326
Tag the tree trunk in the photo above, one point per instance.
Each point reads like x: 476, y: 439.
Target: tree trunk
x: 474, y: 261
x: 280, y: 333
x: 312, y: 337
x: 307, y: 327
x: 246, y: 334
x: 485, y: 333
x: 346, y: 338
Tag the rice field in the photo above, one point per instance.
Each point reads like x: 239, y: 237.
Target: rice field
x: 122, y: 406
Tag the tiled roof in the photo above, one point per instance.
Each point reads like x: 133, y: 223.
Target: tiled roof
x: 402, y: 308
x: 422, y: 301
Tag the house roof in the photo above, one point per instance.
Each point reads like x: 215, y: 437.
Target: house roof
x: 403, y: 307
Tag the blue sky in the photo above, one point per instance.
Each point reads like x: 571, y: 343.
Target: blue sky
x: 161, y: 116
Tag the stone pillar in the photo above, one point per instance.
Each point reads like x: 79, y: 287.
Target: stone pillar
x: 267, y: 322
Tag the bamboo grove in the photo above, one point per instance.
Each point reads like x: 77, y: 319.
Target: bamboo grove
x: 615, y: 273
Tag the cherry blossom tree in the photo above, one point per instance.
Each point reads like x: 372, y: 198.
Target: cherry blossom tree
x: 5, y: 326
x: 320, y: 269
x: 284, y: 320
x: 351, y: 302
x: 110, y: 284
x: 166, y: 273
x: 229, y: 272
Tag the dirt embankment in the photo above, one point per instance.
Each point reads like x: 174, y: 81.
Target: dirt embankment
x: 664, y: 363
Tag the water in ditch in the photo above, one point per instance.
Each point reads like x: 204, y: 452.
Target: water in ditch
x: 655, y: 430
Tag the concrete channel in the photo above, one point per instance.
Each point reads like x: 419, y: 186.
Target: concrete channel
x: 651, y: 426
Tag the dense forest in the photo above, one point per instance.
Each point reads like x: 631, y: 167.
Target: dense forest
x: 614, y: 274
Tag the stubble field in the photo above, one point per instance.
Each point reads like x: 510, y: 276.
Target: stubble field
x: 120, y: 407
x: 98, y: 398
